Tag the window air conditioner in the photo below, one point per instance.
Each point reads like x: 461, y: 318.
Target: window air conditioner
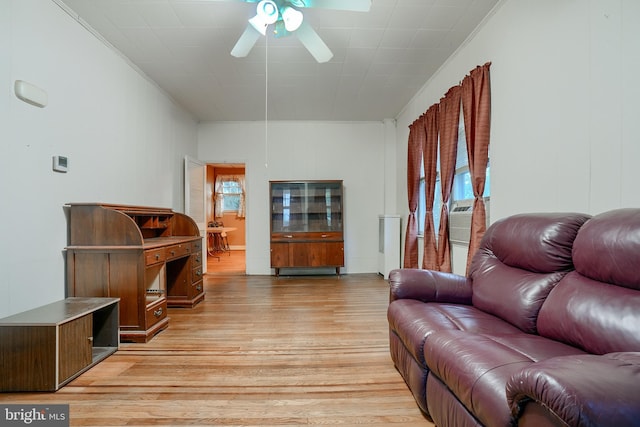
x: 460, y: 220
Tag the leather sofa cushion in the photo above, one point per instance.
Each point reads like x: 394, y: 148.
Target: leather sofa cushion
x: 512, y: 294
x: 607, y: 248
x: 596, y: 307
x: 413, y: 321
x: 520, y: 259
x: 476, y: 367
x: 538, y: 242
x: 597, y: 317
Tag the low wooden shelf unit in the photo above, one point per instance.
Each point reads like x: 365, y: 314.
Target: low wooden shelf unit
x: 45, y: 348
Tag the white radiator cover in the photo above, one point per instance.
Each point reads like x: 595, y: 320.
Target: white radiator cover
x: 389, y: 233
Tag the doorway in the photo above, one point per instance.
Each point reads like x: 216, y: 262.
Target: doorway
x: 225, y: 217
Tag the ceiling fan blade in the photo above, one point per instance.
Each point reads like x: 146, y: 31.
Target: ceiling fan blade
x: 355, y: 5
x: 246, y: 42
x: 314, y: 44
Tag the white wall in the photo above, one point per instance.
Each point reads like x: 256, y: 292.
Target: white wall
x: 353, y: 152
x: 124, y: 138
x: 564, y: 130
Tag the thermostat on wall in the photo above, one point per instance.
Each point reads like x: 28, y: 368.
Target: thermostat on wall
x: 60, y: 164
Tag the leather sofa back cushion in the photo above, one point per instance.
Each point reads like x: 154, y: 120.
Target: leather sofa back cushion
x: 597, y: 307
x: 597, y: 317
x: 607, y: 248
x: 520, y: 259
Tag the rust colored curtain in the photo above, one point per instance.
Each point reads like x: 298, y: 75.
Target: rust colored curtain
x: 476, y: 105
x: 414, y: 159
x: 430, y: 121
x: 448, y: 122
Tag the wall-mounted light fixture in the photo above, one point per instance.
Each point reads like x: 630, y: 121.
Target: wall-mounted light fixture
x: 30, y: 94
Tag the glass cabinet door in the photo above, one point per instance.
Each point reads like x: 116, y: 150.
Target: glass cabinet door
x: 312, y: 206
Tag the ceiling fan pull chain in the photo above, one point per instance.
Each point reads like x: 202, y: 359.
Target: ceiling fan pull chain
x: 266, y: 102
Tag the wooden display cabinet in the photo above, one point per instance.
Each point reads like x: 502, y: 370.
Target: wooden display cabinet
x: 306, y: 224
x: 45, y: 348
x: 151, y: 258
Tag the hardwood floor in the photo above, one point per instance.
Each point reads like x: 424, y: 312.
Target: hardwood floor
x: 258, y: 351
x: 232, y: 262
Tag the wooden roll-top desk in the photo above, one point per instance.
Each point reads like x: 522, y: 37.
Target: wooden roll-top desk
x: 150, y: 258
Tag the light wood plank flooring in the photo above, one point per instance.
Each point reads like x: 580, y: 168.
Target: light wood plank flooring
x: 232, y: 262
x: 257, y: 351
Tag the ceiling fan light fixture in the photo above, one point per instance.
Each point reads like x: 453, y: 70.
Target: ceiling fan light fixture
x: 292, y: 18
x: 268, y: 9
x: 266, y: 14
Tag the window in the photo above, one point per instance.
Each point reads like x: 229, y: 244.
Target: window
x: 229, y: 195
x: 462, y: 188
x: 422, y: 204
x: 232, y: 192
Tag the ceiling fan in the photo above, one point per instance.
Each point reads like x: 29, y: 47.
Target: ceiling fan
x: 287, y: 18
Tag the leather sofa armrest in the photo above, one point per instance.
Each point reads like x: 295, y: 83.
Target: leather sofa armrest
x: 429, y: 286
x: 581, y: 390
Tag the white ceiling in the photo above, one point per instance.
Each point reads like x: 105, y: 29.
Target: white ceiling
x: 381, y: 58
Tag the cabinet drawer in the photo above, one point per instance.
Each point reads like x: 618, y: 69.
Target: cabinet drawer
x: 177, y: 251
x: 196, y: 259
x: 196, y: 289
x: 155, y: 313
x: 285, y: 237
x: 311, y: 236
x: 153, y: 256
x: 196, y: 274
x: 320, y: 236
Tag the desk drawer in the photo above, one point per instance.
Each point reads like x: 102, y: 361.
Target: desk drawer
x: 177, y: 251
x: 196, y: 246
x: 154, y: 256
x: 196, y: 274
x: 155, y: 313
x: 196, y: 289
x: 196, y: 259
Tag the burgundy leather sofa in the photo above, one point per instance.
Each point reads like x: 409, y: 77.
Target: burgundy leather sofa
x: 545, y: 331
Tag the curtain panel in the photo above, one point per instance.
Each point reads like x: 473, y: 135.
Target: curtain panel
x: 218, y: 198
x: 414, y: 160
x: 430, y: 124
x: 448, y: 122
x: 438, y: 128
x: 476, y: 105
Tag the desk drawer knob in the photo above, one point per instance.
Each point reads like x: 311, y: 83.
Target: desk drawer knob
x: 157, y: 257
x: 158, y: 312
